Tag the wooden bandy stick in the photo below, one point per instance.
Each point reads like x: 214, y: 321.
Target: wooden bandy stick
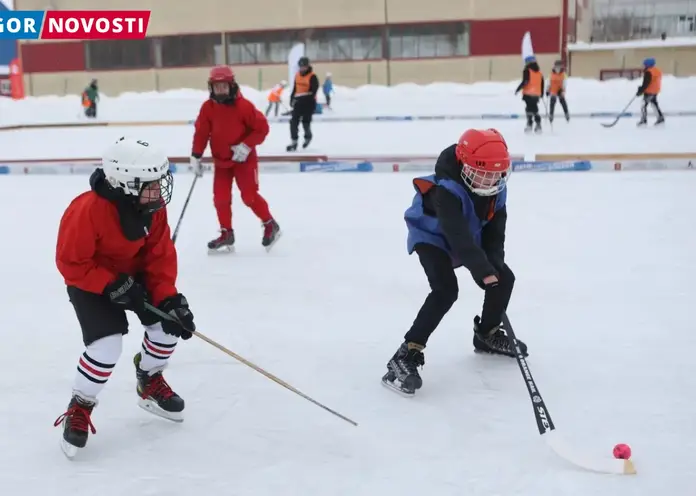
x: 252, y: 365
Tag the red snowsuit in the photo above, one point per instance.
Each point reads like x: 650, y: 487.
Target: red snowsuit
x: 227, y: 125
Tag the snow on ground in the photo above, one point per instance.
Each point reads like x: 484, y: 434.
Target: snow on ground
x: 601, y: 298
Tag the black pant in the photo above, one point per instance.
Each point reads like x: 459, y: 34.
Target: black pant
x: 561, y: 98
x: 99, y: 318
x: 532, y: 109
x: 327, y: 95
x: 303, y: 110
x: 444, y: 291
x: 91, y: 111
x: 649, y: 100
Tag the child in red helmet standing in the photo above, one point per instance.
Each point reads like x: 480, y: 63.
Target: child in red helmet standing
x: 458, y: 218
x: 234, y: 128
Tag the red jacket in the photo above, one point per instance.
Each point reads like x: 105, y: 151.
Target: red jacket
x: 228, y: 125
x: 92, y: 249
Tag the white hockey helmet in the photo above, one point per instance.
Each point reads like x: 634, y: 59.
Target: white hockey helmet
x: 140, y: 171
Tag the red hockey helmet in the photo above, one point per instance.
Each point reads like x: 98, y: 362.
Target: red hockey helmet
x: 222, y: 84
x: 485, y: 161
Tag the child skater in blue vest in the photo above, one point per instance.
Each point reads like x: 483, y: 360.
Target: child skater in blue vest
x: 458, y: 218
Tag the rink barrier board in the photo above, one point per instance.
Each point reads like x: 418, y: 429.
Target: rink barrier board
x: 560, y: 157
x: 378, y: 164
x: 337, y: 119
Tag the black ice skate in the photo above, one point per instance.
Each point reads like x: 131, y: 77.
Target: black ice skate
x: 271, y: 234
x: 292, y: 146
x: 537, y: 128
x: 660, y: 120
x: 223, y: 243
x: 77, y: 424
x: 642, y: 122
x: 307, y: 141
x: 495, y: 341
x: 155, y: 395
x: 528, y: 128
x: 402, y: 370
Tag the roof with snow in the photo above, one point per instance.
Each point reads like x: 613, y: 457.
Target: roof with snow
x: 687, y: 41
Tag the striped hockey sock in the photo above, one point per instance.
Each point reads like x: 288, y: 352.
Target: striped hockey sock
x: 96, y: 365
x: 157, y: 347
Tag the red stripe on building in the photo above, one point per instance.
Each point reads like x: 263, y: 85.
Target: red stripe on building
x: 66, y: 56
x: 504, y: 36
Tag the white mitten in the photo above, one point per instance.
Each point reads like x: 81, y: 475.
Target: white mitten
x: 196, y: 166
x: 240, y: 152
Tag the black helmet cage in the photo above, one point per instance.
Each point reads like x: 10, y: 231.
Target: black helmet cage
x: 166, y: 188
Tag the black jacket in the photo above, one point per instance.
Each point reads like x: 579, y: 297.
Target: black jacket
x: 481, y: 261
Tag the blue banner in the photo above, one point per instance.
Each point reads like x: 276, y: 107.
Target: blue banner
x: 336, y: 167
x: 521, y: 166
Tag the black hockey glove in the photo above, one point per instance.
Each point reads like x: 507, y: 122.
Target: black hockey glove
x: 127, y: 293
x: 177, y: 307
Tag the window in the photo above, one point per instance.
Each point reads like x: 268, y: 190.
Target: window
x: 190, y: 50
x: 429, y: 41
x: 363, y: 43
x: 261, y: 48
x: 606, y: 74
x: 119, y: 54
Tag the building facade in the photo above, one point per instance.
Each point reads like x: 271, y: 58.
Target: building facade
x: 622, y: 20
x: 383, y: 42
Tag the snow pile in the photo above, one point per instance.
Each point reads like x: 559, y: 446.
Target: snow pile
x: 583, y: 95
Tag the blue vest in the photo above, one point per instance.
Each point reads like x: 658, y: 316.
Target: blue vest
x: 426, y: 229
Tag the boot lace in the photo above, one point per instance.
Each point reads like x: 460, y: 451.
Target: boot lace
x: 268, y: 229
x: 224, y: 235
x: 158, y: 388
x: 79, y: 417
x: 500, y: 341
x: 412, y: 360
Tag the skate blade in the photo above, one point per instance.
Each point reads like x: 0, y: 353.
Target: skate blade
x: 152, y: 407
x: 394, y: 387
x: 224, y: 250
x: 68, y: 449
x: 495, y: 354
x: 278, y: 236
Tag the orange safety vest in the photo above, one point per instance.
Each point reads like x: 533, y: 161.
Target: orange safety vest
x: 556, y: 82
x: 274, y: 95
x: 86, y: 102
x: 302, y: 83
x: 655, y: 82
x: 533, y: 86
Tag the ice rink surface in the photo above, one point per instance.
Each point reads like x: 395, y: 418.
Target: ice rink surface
x: 605, y: 270
x: 426, y: 138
